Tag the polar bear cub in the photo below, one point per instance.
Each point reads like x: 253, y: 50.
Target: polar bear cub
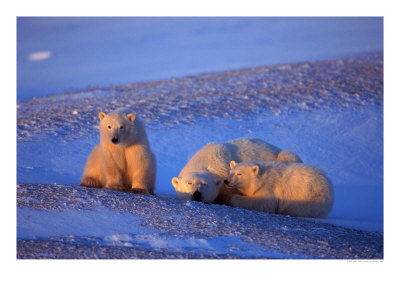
x: 202, y: 177
x: 123, y: 159
x: 294, y: 189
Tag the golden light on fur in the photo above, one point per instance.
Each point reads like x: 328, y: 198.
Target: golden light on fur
x: 294, y: 189
x: 212, y: 163
x: 123, y: 159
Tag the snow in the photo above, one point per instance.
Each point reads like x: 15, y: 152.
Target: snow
x: 102, y: 222
x: 347, y: 145
x: 114, y: 51
x: 115, y: 228
x: 356, y: 224
x: 325, y: 112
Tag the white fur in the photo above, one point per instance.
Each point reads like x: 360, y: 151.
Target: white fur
x: 125, y: 164
x: 294, y: 189
x: 207, y: 169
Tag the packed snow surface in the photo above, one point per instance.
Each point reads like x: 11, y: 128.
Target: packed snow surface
x: 327, y: 112
x: 68, y: 221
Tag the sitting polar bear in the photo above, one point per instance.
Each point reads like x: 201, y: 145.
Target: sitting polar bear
x: 123, y: 159
x: 294, y: 189
x: 202, y: 177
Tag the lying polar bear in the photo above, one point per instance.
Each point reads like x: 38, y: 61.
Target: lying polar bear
x: 202, y: 177
x: 292, y: 189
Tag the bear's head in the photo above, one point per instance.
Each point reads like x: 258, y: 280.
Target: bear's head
x: 242, y: 176
x: 203, y: 187
x: 116, y: 127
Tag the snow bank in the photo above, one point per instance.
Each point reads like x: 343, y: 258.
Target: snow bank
x: 347, y: 145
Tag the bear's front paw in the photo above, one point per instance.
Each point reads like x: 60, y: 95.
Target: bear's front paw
x: 91, y: 182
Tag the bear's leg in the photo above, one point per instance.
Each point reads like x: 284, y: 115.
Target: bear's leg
x: 114, y: 180
x: 92, y: 175
x: 139, y: 169
x: 305, y: 209
x: 139, y: 180
x: 113, y: 165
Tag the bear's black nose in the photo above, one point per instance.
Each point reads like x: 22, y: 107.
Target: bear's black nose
x: 197, y: 196
x: 226, y: 181
x: 114, y: 140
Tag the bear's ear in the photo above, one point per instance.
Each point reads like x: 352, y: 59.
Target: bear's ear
x: 218, y: 183
x: 101, y: 115
x: 175, y: 181
x: 232, y: 164
x: 255, y: 169
x: 131, y: 117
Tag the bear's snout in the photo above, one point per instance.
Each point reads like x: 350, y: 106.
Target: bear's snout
x: 114, y: 140
x: 197, y: 196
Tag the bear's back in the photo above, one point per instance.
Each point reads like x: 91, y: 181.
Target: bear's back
x: 298, y: 181
x: 252, y: 149
x: 309, y: 189
x: 213, y: 158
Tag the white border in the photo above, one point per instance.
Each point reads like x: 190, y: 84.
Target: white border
x: 199, y: 279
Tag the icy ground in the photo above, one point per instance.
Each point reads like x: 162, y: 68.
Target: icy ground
x: 330, y: 113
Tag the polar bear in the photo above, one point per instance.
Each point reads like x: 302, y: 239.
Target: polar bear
x: 294, y: 189
x: 123, y: 159
x: 202, y: 177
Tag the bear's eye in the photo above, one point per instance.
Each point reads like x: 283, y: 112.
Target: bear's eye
x: 109, y: 126
x: 189, y: 182
x: 204, y: 183
x: 238, y: 174
x: 122, y: 127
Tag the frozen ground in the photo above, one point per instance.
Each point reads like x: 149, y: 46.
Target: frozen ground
x: 329, y: 112
x: 63, y: 221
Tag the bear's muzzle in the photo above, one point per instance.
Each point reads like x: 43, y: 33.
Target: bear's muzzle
x: 197, y: 196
